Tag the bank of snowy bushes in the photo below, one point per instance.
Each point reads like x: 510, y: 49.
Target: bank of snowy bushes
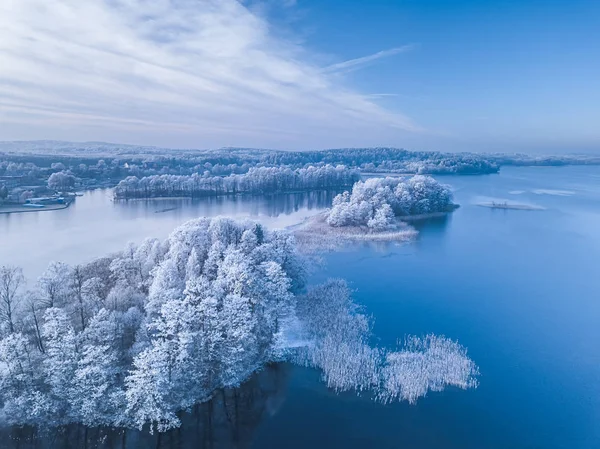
x: 376, y: 202
x: 134, y: 338
x: 340, y: 346
x: 258, y: 180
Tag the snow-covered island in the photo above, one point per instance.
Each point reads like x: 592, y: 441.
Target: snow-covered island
x: 135, y: 338
x: 377, y: 209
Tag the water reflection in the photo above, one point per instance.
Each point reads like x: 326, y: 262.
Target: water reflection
x: 269, y: 205
x: 434, y: 225
x: 227, y: 422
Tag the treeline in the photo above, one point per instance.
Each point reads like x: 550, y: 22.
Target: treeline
x: 559, y: 160
x: 375, y: 202
x: 106, y: 172
x: 134, y: 339
x: 145, y: 161
x: 258, y: 180
x: 391, y: 159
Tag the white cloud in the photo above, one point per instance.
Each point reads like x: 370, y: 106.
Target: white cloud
x: 197, y: 72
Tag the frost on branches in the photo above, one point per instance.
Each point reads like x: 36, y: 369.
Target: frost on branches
x: 376, y: 202
x: 423, y: 364
x: 339, y: 334
x: 135, y: 338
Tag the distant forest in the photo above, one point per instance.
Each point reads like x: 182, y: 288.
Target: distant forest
x: 37, y: 168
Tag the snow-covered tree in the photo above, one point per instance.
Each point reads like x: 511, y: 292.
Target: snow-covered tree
x: 11, y: 281
x: 60, y: 361
x: 54, y: 284
x: 62, y: 181
x: 146, y: 388
x: 382, y: 218
x: 97, y: 396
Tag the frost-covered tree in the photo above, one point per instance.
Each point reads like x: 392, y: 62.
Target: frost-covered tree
x: 60, y: 362
x: 62, y: 180
x: 146, y: 388
x: 54, y: 284
x: 97, y: 396
x: 134, y: 264
x: 11, y: 281
x: 382, y: 218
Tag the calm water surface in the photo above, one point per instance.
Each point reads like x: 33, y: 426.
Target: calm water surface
x: 520, y: 289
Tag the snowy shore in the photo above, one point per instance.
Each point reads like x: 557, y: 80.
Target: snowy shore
x: 314, y: 234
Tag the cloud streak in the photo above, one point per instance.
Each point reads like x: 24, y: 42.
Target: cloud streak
x: 194, y: 72
x: 358, y: 63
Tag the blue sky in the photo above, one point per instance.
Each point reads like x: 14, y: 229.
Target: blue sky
x: 521, y: 73
x: 432, y: 75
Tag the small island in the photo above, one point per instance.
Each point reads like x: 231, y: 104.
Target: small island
x: 377, y: 209
x: 509, y: 206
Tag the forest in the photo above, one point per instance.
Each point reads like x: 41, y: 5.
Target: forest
x: 258, y: 180
x: 136, y: 338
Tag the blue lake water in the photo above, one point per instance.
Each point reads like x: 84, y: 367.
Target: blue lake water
x: 520, y: 289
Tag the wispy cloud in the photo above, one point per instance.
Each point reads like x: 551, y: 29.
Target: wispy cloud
x: 382, y: 95
x: 210, y: 70
x: 355, y: 64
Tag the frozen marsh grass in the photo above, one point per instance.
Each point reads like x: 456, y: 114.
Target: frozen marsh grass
x: 340, y: 349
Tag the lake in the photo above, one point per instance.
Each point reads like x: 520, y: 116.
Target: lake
x: 519, y: 288
x: 95, y: 225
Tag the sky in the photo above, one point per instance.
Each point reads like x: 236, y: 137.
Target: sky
x: 453, y: 75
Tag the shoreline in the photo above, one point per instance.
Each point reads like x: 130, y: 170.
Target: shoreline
x: 19, y: 209
x: 313, y: 234
x: 230, y: 195
x: 419, y: 217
